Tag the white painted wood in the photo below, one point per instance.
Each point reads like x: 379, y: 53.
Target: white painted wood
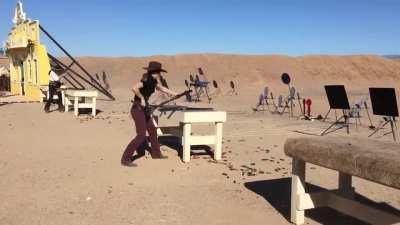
x: 187, y: 129
x: 76, y: 105
x: 155, y: 122
x: 298, y: 189
x: 218, y: 141
x: 82, y: 93
x: 66, y: 101
x: 63, y: 97
x: 94, y: 106
x: 340, y: 200
x: 313, y: 200
x: 89, y: 96
x: 202, y: 116
x: 187, y: 119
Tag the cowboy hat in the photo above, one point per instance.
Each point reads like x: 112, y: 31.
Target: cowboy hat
x: 155, y: 67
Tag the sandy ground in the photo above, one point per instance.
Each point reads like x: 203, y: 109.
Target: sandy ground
x: 59, y: 169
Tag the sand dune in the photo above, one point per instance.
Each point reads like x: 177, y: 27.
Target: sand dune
x: 226, y: 67
x: 256, y: 71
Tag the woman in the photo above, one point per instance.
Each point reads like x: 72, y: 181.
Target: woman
x: 143, y: 90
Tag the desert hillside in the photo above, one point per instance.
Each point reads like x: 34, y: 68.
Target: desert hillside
x: 254, y: 72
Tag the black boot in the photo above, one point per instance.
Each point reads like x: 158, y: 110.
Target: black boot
x: 61, y: 108
x: 47, y: 108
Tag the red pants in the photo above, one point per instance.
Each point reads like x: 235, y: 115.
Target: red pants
x: 142, y: 126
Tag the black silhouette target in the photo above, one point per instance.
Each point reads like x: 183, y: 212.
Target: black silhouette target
x: 215, y: 84
x: 286, y: 78
x: 337, y: 97
x: 232, y: 85
x: 384, y: 102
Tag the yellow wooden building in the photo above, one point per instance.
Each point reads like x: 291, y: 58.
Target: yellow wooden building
x: 29, y: 62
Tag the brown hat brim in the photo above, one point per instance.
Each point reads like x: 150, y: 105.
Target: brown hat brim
x: 153, y: 70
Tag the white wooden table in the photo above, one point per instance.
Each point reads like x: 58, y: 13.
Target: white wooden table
x: 80, y: 99
x: 188, y: 118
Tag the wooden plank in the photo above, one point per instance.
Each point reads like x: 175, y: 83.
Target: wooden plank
x: 82, y: 93
x: 85, y: 105
x: 203, y: 117
x: 369, y: 159
x: 218, y: 141
x: 187, y: 129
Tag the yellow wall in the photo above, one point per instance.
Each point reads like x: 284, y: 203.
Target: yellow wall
x: 24, y: 47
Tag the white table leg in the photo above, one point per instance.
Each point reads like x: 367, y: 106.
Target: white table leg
x: 298, y: 189
x: 63, y: 97
x: 218, y: 141
x: 155, y: 121
x: 66, y: 104
x: 93, y: 106
x: 76, y: 106
x: 187, y: 130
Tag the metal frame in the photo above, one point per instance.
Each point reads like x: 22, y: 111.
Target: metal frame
x: 88, y: 79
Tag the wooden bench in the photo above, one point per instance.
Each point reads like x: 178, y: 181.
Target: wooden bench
x: 375, y: 161
x: 186, y: 120
x: 80, y: 99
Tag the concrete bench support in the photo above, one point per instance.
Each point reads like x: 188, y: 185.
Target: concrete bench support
x: 341, y: 199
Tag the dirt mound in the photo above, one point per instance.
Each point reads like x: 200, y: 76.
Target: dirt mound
x: 249, y: 72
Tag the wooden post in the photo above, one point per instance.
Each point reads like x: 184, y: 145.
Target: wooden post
x: 76, y: 110
x: 298, y: 189
x: 345, y: 185
x: 218, y: 141
x: 93, y: 106
x: 66, y: 101
x: 187, y: 130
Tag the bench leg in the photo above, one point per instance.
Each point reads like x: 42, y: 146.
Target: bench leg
x: 63, y: 97
x: 66, y: 104
x: 298, y: 189
x: 155, y: 121
x: 345, y: 185
x: 94, y: 107
x: 187, y: 130
x: 76, y: 106
x: 218, y: 141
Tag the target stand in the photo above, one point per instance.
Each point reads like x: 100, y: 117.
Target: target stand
x: 263, y: 101
x: 338, y: 100
x: 384, y: 103
x: 289, y: 101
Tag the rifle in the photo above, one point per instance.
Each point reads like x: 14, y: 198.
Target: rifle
x: 149, y: 109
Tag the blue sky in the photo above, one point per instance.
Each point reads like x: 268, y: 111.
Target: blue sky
x: 166, y: 27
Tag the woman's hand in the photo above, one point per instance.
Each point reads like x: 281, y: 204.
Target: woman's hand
x: 167, y: 91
